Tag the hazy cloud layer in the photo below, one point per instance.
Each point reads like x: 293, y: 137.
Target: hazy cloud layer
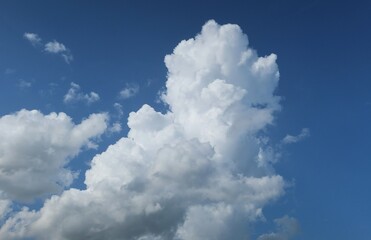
x: 74, y: 94
x: 37, y: 149
x: 191, y: 173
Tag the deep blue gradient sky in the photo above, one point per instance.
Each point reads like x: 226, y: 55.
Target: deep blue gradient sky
x: 323, y: 50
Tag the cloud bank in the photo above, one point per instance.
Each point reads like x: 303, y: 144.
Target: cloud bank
x: 192, y: 173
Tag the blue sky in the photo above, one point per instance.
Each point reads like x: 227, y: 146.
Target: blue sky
x: 322, y: 49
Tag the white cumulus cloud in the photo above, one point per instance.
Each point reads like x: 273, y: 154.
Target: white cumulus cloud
x: 74, y: 94
x: 36, y: 149
x: 33, y: 38
x: 191, y: 173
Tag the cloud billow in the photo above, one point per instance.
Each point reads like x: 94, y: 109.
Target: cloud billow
x: 37, y: 149
x: 191, y: 173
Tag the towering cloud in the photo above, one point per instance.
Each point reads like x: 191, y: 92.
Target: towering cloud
x: 192, y: 173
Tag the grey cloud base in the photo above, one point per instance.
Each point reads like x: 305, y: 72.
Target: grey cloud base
x: 197, y: 172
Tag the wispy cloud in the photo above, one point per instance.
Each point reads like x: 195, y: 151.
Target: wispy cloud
x: 293, y: 139
x: 129, y: 91
x: 33, y: 38
x: 118, y: 108
x: 24, y: 84
x: 74, y: 94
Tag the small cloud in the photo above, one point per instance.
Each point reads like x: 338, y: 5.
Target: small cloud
x: 24, y: 84
x: 33, y: 38
x: 129, y: 91
x: 293, y: 139
x: 287, y: 228
x: 74, y: 94
x: 115, y: 128
x: 55, y: 47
